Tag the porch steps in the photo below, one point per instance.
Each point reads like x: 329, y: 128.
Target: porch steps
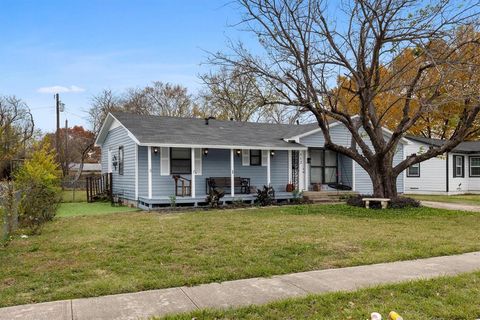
x: 327, y: 196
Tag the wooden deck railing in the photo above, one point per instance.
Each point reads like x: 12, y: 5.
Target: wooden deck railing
x: 99, y: 187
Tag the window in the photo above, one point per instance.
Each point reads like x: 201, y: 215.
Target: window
x: 458, y: 166
x: 474, y: 166
x: 323, y: 166
x: 413, y: 170
x: 180, y: 161
x: 120, y: 160
x: 255, y: 157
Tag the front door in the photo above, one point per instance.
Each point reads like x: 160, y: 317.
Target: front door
x: 323, y: 166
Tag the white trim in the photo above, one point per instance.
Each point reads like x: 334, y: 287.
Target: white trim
x: 109, y: 159
x: 268, y: 169
x: 164, y: 161
x: 307, y: 171
x: 245, y: 157
x: 176, y: 145
x: 150, y: 172
x: 198, y: 161
x: 354, y: 173
x: 102, y: 134
x: 301, y: 171
x: 289, y: 166
x: 192, y: 178
x: 136, y: 172
x: 264, y: 156
x: 232, y: 173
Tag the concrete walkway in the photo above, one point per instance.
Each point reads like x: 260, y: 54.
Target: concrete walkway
x: 451, y: 206
x: 238, y: 293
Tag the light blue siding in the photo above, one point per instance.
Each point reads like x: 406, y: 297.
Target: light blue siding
x: 143, y: 171
x: 279, y: 171
x: 341, y: 135
x: 123, y: 185
x: 215, y: 164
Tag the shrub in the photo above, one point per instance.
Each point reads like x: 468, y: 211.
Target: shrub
x: 395, y: 203
x: 297, y: 196
x: 266, y: 196
x: 39, y: 182
x: 214, y: 196
x: 404, y: 202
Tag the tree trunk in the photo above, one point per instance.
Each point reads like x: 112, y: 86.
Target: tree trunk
x: 384, y: 181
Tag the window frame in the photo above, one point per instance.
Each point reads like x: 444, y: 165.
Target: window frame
x: 172, y: 159
x: 470, y: 167
x: 413, y: 175
x: 324, y: 166
x: 259, y: 156
x: 121, y: 160
x: 455, y: 175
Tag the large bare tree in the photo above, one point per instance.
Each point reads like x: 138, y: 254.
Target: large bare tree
x: 308, y: 45
x: 233, y: 94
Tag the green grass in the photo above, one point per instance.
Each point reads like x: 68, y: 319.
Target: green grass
x: 472, y: 199
x: 88, y: 209
x: 71, y: 196
x: 441, y: 298
x: 112, y: 253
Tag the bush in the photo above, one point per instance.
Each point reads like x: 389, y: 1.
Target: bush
x: 39, y: 182
x: 214, y: 196
x: 395, y: 203
x: 265, y: 196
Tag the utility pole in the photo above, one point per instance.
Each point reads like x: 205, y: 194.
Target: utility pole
x: 57, y: 132
x: 67, y: 164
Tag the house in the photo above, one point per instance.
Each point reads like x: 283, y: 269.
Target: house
x: 455, y: 172
x: 155, y: 160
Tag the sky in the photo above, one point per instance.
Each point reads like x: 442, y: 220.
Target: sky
x: 78, y: 48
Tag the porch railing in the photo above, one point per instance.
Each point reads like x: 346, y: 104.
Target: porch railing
x: 99, y: 187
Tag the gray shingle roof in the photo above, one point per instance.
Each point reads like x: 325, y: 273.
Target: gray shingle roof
x: 465, y: 147
x: 190, y: 131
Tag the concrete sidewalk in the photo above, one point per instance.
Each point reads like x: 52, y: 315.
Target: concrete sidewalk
x: 451, y: 206
x: 238, y: 293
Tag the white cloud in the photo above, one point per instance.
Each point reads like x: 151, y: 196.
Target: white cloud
x: 61, y: 89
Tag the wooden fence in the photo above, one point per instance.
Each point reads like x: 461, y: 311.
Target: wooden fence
x: 99, y: 187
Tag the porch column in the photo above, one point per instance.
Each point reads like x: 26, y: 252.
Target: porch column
x: 232, y: 173
x: 268, y: 168
x: 192, y: 185
x: 307, y: 180
x: 289, y: 166
x: 150, y: 172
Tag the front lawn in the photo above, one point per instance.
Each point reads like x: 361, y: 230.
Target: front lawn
x: 71, y: 209
x: 70, y: 195
x: 441, y: 298
x: 472, y: 199
x: 94, y: 255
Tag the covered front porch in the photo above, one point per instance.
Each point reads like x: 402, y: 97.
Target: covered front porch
x: 145, y: 203
x: 182, y: 176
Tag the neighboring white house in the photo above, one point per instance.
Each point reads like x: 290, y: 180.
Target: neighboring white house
x: 455, y: 172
